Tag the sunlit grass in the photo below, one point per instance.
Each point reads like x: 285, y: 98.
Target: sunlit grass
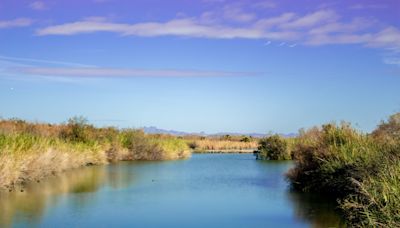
x: 362, y: 171
x: 31, y: 151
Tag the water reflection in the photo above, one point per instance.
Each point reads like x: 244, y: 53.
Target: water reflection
x: 222, y: 190
x: 29, y: 204
x: 316, y: 209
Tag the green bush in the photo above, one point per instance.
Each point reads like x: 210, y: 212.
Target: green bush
x: 327, y: 159
x: 245, y: 139
x: 273, y: 148
x: 361, y: 171
x: 76, y: 130
x: 139, y: 146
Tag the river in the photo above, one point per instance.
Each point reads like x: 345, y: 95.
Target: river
x: 207, y: 190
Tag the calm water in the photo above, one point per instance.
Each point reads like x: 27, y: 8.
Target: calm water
x: 213, y: 190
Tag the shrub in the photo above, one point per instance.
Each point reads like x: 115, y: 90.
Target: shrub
x: 139, y: 147
x: 327, y: 157
x: 361, y: 171
x: 226, y: 137
x: 193, y: 145
x: 76, y: 130
x: 245, y: 139
x: 273, y: 148
x: 388, y: 131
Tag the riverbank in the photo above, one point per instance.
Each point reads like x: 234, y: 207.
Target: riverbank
x: 222, y: 144
x: 31, y: 151
x: 361, y: 171
x: 227, y: 151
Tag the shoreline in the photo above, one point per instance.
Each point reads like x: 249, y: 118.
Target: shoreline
x: 225, y: 151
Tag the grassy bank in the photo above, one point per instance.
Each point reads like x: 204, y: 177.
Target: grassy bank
x: 223, y: 144
x: 362, y: 171
x: 31, y: 151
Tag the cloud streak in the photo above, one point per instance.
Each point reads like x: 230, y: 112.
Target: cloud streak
x: 187, y: 27
x: 321, y: 27
x: 19, y: 60
x: 317, y: 28
x: 19, y: 22
x: 123, y: 72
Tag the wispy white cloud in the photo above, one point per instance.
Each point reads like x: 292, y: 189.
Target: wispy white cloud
x: 18, y: 22
x: 23, y: 61
x: 312, y: 19
x: 235, y: 13
x: 122, y: 72
x: 321, y: 27
x: 187, y: 27
x: 392, y: 60
x: 38, y: 5
x: 388, y: 38
x: 356, y: 24
x: 326, y: 39
x: 275, y: 21
x: 267, y: 43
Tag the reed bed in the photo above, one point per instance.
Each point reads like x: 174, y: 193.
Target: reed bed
x: 362, y: 171
x: 31, y: 151
x: 221, y: 145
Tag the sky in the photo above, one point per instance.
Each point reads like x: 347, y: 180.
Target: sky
x: 206, y: 65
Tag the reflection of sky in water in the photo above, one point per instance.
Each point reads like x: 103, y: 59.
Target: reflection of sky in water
x: 207, y: 190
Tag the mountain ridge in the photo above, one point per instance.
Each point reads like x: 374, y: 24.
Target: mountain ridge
x: 155, y: 130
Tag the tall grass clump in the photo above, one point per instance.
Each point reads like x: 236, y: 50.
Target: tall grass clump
x: 26, y: 157
x: 142, y: 147
x: 31, y: 151
x: 224, y: 143
x: 273, y: 148
x: 362, y: 171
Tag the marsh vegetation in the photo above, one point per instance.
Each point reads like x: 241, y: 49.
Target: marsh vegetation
x: 361, y: 171
x: 31, y: 151
x: 225, y: 143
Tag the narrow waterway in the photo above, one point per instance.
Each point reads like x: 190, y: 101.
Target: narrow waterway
x: 208, y: 190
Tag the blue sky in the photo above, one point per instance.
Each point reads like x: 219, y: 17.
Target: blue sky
x: 210, y: 65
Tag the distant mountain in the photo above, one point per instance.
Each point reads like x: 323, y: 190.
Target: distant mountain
x: 155, y: 130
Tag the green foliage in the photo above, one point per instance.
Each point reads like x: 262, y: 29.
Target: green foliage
x: 388, y: 131
x: 273, y: 148
x: 142, y: 147
x: 245, y: 139
x: 76, y: 130
x: 361, y: 171
x: 192, y: 145
x: 226, y: 137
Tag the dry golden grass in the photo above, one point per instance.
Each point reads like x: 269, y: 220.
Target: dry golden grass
x: 221, y: 145
x: 31, y: 151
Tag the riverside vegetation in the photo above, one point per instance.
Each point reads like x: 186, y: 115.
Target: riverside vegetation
x: 31, y: 151
x: 362, y: 171
x: 221, y: 144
